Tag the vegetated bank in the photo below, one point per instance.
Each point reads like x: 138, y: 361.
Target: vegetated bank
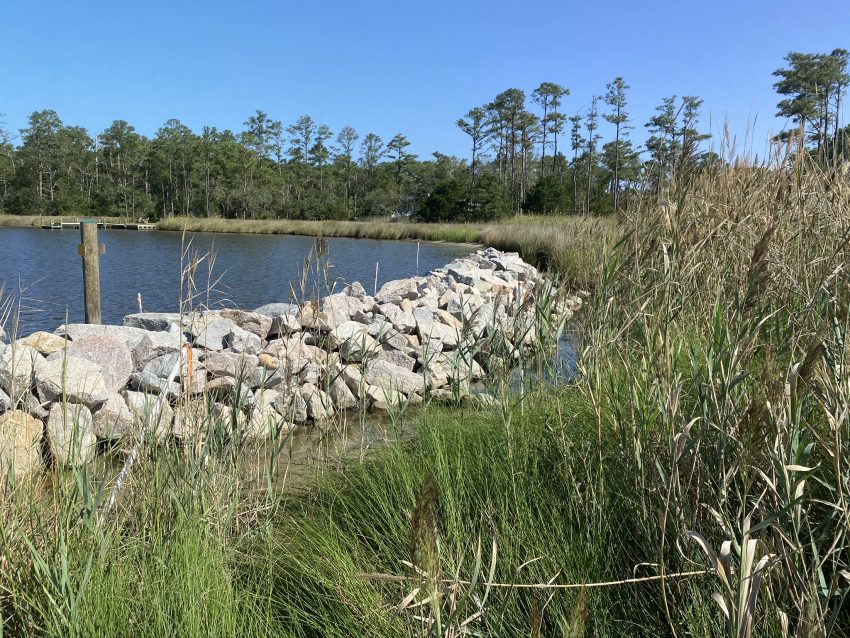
x: 700, y: 451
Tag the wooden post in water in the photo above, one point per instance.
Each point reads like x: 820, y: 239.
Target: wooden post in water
x: 91, y: 250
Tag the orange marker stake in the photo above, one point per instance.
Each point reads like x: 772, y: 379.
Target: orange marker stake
x: 188, y: 350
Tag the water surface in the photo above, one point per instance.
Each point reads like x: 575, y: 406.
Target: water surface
x: 42, y: 280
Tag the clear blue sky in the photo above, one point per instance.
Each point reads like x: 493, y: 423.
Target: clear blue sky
x: 387, y: 67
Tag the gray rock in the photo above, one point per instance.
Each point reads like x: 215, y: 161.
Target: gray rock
x: 322, y: 320
x: 424, y: 318
x: 353, y: 341
x: 20, y: 444
x: 388, y: 375
x: 464, y: 273
x: 265, y: 419
x: 155, y: 344
x: 398, y: 289
x: 320, y: 407
x: 73, y: 378
x: 431, y: 330
x: 341, y: 304
x: 341, y: 395
x: 396, y: 357
x: 5, y: 401
x: 387, y: 334
x: 111, y: 354
x: 291, y: 406
x: 141, y: 405
x: 70, y: 434
x: 192, y: 419
x: 163, y: 365
x: 254, y: 322
x: 130, y: 336
x: 402, y: 320
x: 30, y: 404
x: 284, y: 317
x: 113, y: 419
x: 153, y: 321
x: 352, y: 376
x: 45, y: 342
x: 147, y: 382
x: 242, y: 340
x: 19, y: 365
x: 211, y: 331
x: 461, y: 368
x: 235, y: 365
x: 355, y: 289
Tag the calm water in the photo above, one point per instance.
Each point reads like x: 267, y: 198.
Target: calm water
x: 41, y: 272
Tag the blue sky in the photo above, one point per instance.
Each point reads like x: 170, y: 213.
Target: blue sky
x: 388, y: 67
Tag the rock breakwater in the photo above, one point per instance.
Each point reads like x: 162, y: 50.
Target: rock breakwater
x: 272, y: 368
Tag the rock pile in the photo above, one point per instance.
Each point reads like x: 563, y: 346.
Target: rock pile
x: 277, y: 366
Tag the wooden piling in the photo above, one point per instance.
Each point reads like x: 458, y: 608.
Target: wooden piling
x: 91, y: 250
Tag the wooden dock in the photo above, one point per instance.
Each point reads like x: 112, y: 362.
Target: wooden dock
x: 75, y: 225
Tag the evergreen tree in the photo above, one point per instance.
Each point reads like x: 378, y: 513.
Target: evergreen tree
x: 616, y: 99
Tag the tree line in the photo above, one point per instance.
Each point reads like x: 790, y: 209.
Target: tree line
x: 528, y: 154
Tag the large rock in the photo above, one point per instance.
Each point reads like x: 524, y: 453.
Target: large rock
x: 30, y: 404
x: 73, y: 379
x: 384, y: 374
x: 148, y: 382
x: 322, y: 320
x: 130, y: 336
x: 19, y: 365
x: 191, y: 419
x: 242, y: 340
x: 142, y: 406
x: 254, y: 322
x: 291, y: 406
x: 462, y: 368
x: 284, y: 317
x: 111, y: 354
x: 320, y: 406
x: 45, y: 342
x: 397, y: 357
x: 163, y: 365
x: 402, y: 320
x: 398, y: 289
x: 155, y: 344
x: 153, y: 321
x: 229, y: 364
x: 70, y: 434
x: 341, y: 394
x: 302, y: 363
x: 5, y: 401
x: 265, y: 419
x: 113, y: 419
x: 20, y: 444
x: 430, y: 329
x: 353, y: 341
x: 211, y: 331
x: 340, y: 304
x: 235, y: 365
x: 352, y: 376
